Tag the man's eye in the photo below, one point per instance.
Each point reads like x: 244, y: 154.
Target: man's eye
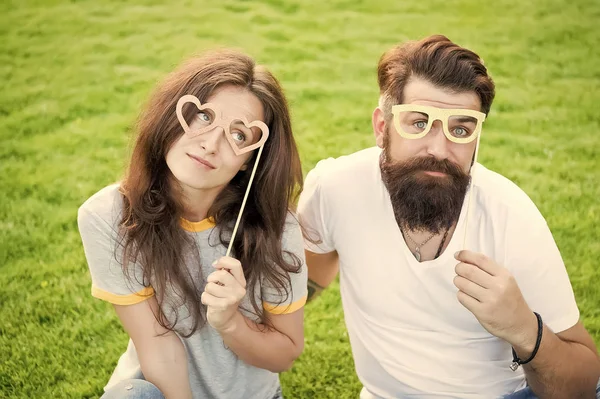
x: 460, y: 131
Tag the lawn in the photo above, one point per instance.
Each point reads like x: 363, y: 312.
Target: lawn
x: 75, y: 74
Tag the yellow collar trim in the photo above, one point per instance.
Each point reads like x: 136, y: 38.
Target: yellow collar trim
x: 196, y: 227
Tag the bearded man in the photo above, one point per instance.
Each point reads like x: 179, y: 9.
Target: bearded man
x: 450, y: 279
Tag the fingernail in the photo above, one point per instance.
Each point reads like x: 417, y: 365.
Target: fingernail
x: 214, y: 263
x: 456, y: 254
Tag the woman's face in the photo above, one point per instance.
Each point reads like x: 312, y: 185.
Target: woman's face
x: 207, y: 161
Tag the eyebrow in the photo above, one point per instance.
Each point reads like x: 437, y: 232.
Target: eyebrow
x: 460, y: 118
x: 464, y: 119
x: 417, y: 112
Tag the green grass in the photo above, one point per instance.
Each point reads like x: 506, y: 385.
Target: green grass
x: 75, y: 73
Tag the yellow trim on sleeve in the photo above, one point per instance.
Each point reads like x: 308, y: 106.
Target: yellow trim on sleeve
x: 285, y: 309
x: 196, y: 227
x: 130, y: 299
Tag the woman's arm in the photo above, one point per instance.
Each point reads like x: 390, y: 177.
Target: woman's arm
x: 274, y: 349
x: 162, y: 357
x: 271, y: 349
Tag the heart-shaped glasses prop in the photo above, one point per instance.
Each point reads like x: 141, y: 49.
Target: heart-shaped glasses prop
x: 243, y: 136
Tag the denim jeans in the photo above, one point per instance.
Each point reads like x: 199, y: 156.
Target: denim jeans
x: 133, y: 389
x: 141, y: 389
x: 527, y: 393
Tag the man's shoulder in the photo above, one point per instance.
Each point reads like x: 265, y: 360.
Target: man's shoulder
x: 352, y: 166
x: 498, y: 191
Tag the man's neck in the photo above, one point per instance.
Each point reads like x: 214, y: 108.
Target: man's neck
x: 436, y: 243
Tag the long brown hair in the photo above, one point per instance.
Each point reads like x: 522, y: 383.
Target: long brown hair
x: 150, y: 225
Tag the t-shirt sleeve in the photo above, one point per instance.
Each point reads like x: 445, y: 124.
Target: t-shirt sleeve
x: 537, y: 265
x: 109, y: 281
x: 276, y: 301
x: 313, y: 212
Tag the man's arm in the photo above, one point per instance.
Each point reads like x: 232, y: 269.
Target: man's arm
x: 322, y: 269
x: 566, y: 364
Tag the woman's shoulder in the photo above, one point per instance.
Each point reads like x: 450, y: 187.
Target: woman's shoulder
x: 292, y: 233
x: 106, y: 204
x: 291, y: 222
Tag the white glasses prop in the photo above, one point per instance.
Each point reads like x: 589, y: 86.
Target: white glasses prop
x: 459, y: 125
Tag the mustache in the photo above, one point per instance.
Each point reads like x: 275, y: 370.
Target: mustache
x: 429, y: 164
x: 430, y: 204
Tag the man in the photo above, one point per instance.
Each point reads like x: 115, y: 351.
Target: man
x: 442, y: 261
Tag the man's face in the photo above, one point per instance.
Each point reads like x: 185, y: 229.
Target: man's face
x: 434, y: 144
x: 427, y: 177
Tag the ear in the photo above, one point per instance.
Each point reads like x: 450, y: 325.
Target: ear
x: 378, y: 120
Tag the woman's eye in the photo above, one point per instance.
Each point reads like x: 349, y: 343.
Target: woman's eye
x: 238, y: 137
x: 204, y: 117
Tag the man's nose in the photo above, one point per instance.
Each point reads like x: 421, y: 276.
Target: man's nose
x: 437, y: 144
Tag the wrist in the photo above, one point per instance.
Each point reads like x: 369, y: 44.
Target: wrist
x: 232, y: 325
x: 524, y: 341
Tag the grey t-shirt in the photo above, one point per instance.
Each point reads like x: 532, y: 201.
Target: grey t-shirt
x: 214, y: 370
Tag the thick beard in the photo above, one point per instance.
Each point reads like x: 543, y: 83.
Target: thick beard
x: 422, y: 202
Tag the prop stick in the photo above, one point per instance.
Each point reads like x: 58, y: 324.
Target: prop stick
x: 237, y: 222
x: 471, y: 191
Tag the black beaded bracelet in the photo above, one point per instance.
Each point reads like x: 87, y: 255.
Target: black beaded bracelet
x: 516, y: 361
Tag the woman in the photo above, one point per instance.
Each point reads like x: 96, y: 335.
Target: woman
x: 204, y: 325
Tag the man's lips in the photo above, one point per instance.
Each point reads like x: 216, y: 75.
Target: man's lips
x: 201, y: 161
x: 432, y: 173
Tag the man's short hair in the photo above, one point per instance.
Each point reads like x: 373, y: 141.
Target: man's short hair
x: 437, y: 60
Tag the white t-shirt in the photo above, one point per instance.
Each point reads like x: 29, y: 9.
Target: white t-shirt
x: 410, y: 336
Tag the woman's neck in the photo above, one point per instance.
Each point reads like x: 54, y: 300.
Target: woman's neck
x: 197, y: 202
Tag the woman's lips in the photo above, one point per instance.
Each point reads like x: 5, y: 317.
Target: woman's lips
x: 201, y: 161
